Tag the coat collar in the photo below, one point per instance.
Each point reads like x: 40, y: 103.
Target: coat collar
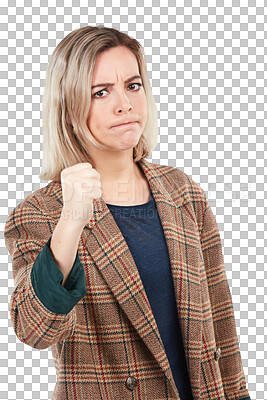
x: 109, y: 250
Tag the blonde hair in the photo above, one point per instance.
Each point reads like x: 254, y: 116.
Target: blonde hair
x: 66, y: 99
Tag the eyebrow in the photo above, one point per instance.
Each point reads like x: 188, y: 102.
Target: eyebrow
x: 112, y: 84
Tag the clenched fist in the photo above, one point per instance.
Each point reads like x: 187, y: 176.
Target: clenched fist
x: 80, y: 185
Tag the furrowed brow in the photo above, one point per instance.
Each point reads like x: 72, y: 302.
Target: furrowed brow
x: 112, y: 84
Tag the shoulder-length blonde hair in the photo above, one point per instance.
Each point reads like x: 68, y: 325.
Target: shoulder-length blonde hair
x: 67, y: 100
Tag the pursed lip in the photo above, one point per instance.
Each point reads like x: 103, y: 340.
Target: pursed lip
x: 125, y: 124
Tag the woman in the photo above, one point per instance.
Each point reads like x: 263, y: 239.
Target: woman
x: 118, y: 262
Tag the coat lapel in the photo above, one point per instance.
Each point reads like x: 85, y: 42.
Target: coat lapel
x: 113, y: 258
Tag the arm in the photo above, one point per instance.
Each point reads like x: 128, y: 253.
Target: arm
x: 64, y: 243
x: 230, y: 362
x: 58, y: 265
x: 27, y: 236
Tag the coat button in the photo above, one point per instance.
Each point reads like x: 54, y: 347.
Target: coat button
x: 217, y: 354
x: 131, y: 382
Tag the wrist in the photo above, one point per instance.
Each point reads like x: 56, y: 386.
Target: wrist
x: 68, y: 220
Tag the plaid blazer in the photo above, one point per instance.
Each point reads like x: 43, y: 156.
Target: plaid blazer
x: 108, y: 346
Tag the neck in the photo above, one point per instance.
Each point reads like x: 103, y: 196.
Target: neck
x: 116, y: 167
x: 121, y: 178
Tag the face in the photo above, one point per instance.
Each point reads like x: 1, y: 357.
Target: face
x: 122, y: 101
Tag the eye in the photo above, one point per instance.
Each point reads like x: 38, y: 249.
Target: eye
x: 96, y: 95
x: 139, y: 85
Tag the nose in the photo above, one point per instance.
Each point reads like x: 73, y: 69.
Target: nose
x: 122, y: 101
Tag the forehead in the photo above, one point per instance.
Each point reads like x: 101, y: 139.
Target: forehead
x: 118, y: 60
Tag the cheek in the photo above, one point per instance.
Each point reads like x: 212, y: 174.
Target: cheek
x: 96, y: 116
x: 144, y: 102
x: 143, y: 106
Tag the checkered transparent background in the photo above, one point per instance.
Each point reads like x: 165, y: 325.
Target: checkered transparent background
x: 207, y: 67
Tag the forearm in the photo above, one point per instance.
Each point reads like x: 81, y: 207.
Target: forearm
x: 34, y: 321
x: 64, y: 243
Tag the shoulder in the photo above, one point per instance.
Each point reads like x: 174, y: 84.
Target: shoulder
x: 44, y: 201
x: 186, y: 193
x: 174, y: 179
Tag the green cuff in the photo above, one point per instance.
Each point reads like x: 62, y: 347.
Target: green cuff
x: 47, y: 280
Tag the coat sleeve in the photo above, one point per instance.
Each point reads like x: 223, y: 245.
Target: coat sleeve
x: 46, y: 278
x: 230, y: 362
x: 36, y: 321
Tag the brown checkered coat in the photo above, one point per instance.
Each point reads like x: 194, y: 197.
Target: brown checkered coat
x: 108, y: 346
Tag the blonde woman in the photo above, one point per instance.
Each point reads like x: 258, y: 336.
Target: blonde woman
x: 118, y: 262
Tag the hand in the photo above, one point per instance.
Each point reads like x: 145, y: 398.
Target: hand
x: 80, y: 185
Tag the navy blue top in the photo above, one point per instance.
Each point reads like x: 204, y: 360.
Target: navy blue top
x: 141, y: 227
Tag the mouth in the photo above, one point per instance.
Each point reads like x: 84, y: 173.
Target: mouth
x: 125, y: 125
